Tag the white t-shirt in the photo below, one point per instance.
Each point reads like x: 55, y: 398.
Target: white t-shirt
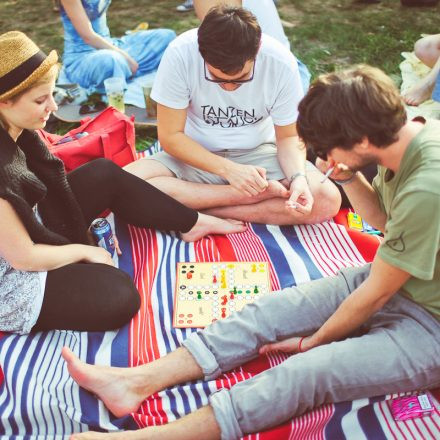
x: 268, y: 19
x: 240, y: 119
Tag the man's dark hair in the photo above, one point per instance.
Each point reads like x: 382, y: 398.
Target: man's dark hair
x: 228, y: 37
x: 342, y: 108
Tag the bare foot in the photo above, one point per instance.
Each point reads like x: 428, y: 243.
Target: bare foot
x: 274, y: 189
x: 120, y: 390
x: 419, y: 93
x: 208, y: 224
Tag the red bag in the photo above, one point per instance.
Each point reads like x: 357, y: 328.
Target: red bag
x: 109, y: 134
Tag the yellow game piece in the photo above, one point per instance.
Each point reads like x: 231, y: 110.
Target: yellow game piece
x: 355, y: 221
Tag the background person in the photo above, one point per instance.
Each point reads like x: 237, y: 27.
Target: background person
x: 91, y: 55
x: 427, y: 50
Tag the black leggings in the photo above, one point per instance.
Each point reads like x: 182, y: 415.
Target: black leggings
x: 99, y: 297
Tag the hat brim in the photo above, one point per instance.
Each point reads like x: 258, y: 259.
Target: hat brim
x: 42, y: 69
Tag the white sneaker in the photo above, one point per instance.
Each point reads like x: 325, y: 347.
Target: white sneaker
x: 185, y: 6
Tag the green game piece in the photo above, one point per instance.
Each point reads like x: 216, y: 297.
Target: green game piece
x: 199, y: 296
x: 248, y: 291
x: 256, y: 289
x: 235, y: 290
x: 240, y: 291
x: 199, y: 292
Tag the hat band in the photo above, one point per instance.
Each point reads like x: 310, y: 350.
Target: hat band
x: 20, y: 73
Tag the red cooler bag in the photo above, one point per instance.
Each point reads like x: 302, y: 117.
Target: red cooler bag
x: 109, y: 134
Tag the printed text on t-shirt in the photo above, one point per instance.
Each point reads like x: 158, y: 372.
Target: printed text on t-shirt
x: 231, y: 117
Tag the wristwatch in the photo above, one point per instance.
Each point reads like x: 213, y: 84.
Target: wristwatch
x: 297, y: 174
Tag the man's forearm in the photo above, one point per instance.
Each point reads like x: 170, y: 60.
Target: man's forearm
x: 291, y: 156
x: 365, y: 202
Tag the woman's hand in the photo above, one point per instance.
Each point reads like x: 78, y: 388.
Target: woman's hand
x: 96, y: 254
x: 132, y: 63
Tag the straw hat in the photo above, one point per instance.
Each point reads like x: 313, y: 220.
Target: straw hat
x: 22, y: 63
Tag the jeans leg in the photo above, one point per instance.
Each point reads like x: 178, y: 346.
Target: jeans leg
x: 295, y: 311
x: 390, y: 357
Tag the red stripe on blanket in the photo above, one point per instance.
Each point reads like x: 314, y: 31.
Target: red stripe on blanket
x: 143, y: 338
x: 143, y: 346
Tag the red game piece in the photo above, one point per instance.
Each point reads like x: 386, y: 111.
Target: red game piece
x: 223, y: 313
x: 189, y: 275
x: 224, y: 300
x: 214, y: 279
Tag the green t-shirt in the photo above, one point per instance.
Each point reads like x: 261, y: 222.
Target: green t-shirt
x: 411, y: 200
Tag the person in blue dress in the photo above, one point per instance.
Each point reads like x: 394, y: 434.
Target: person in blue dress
x: 91, y: 55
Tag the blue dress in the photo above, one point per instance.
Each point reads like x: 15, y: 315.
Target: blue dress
x: 89, y: 67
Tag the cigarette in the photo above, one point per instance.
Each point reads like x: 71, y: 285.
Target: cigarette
x: 327, y: 174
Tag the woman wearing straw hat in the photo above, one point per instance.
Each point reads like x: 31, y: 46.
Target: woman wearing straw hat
x: 50, y: 276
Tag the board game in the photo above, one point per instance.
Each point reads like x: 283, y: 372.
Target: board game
x: 206, y: 292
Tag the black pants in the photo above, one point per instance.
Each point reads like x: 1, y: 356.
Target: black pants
x: 99, y: 297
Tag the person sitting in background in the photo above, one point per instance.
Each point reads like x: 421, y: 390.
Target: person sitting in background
x: 427, y: 50
x: 91, y: 55
x: 50, y: 275
x: 189, y: 5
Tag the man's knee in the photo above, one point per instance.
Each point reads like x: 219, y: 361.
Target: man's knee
x: 427, y: 49
x: 148, y: 169
x: 326, y: 202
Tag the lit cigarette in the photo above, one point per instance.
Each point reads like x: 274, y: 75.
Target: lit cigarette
x: 327, y: 174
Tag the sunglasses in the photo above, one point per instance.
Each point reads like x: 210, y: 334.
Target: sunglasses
x: 228, y: 81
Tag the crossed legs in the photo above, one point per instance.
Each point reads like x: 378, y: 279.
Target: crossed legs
x: 225, y: 201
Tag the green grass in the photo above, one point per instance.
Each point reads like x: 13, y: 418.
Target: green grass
x: 326, y: 35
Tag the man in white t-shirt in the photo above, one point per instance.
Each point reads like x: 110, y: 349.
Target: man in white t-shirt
x: 227, y: 107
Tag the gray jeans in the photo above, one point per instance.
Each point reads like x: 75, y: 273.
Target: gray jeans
x: 397, y: 349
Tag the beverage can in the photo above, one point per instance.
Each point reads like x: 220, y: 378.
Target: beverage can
x: 103, y: 235
x: 72, y: 138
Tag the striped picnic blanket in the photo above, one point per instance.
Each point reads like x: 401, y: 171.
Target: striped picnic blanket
x: 38, y: 400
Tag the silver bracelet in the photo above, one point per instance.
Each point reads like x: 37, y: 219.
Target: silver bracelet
x: 295, y: 175
x: 345, y: 181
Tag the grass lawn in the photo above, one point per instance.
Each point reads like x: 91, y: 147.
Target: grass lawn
x: 324, y: 34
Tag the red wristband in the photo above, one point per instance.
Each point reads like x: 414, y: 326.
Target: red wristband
x: 300, y: 344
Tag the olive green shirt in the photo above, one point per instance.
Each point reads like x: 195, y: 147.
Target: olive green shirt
x: 411, y: 201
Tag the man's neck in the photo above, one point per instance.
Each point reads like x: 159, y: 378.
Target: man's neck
x: 391, y: 156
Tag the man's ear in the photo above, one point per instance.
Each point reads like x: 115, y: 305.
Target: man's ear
x: 365, y: 144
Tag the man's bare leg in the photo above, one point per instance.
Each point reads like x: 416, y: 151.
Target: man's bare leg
x: 124, y: 389
x: 199, y: 195
x: 200, y: 425
x: 202, y: 7
x: 327, y: 201
x: 427, y: 49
